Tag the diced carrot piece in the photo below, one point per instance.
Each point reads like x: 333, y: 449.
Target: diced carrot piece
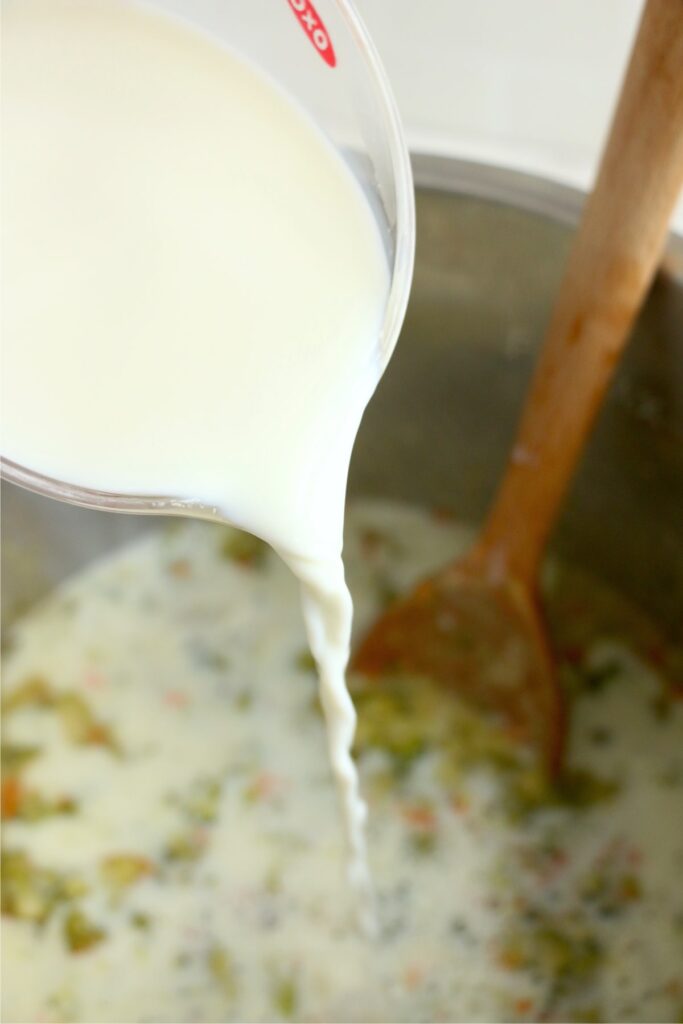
x: 12, y: 792
x: 413, y: 976
x: 419, y: 816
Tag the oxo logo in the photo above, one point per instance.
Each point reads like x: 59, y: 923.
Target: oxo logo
x: 311, y: 23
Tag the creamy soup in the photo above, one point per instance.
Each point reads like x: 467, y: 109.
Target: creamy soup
x: 172, y: 851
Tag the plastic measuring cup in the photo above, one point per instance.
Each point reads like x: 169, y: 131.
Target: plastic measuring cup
x: 323, y: 57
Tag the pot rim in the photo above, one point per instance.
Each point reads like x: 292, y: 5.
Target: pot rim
x: 531, y: 192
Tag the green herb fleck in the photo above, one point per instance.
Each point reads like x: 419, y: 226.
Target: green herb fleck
x: 597, y: 678
x: 185, y: 846
x: 244, y: 700
x: 562, y: 949
x: 203, y: 799
x: 140, y: 921
x: 16, y: 756
x: 31, y: 892
x: 243, y: 548
x: 33, y: 692
x: 222, y: 969
x: 273, y: 881
x: 285, y: 997
x: 423, y: 843
x: 305, y: 661
x: 662, y: 705
x: 387, y: 593
x: 80, y: 934
x: 581, y: 788
x: 610, y: 891
x: 121, y: 870
x: 33, y: 806
x: 207, y: 657
x: 81, y: 726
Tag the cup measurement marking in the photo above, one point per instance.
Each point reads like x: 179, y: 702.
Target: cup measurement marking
x: 313, y: 26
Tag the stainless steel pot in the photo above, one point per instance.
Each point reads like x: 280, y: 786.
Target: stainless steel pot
x: 491, y: 246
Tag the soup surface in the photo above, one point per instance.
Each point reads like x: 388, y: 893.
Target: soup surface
x: 172, y: 844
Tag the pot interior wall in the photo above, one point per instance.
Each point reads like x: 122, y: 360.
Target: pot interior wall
x: 438, y: 430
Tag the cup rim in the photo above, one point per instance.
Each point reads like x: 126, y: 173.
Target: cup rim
x: 404, y: 257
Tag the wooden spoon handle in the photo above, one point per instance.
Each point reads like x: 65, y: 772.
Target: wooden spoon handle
x: 611, y: 264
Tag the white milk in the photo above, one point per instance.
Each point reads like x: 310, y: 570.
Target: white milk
x: 194, y: 287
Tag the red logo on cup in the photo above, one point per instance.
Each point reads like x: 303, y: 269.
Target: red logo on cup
x: 311, y: 23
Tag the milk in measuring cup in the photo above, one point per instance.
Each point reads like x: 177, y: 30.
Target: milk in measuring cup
x: 194, y: 289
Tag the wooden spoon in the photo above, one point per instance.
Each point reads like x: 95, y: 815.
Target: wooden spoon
x: 477, y: 626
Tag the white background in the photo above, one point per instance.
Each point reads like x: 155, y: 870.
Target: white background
x: 525, y: 83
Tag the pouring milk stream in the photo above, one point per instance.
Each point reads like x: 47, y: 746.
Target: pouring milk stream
x: 194, y: 290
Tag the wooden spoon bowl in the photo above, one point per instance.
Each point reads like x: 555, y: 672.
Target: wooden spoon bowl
x: 486, y: 641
